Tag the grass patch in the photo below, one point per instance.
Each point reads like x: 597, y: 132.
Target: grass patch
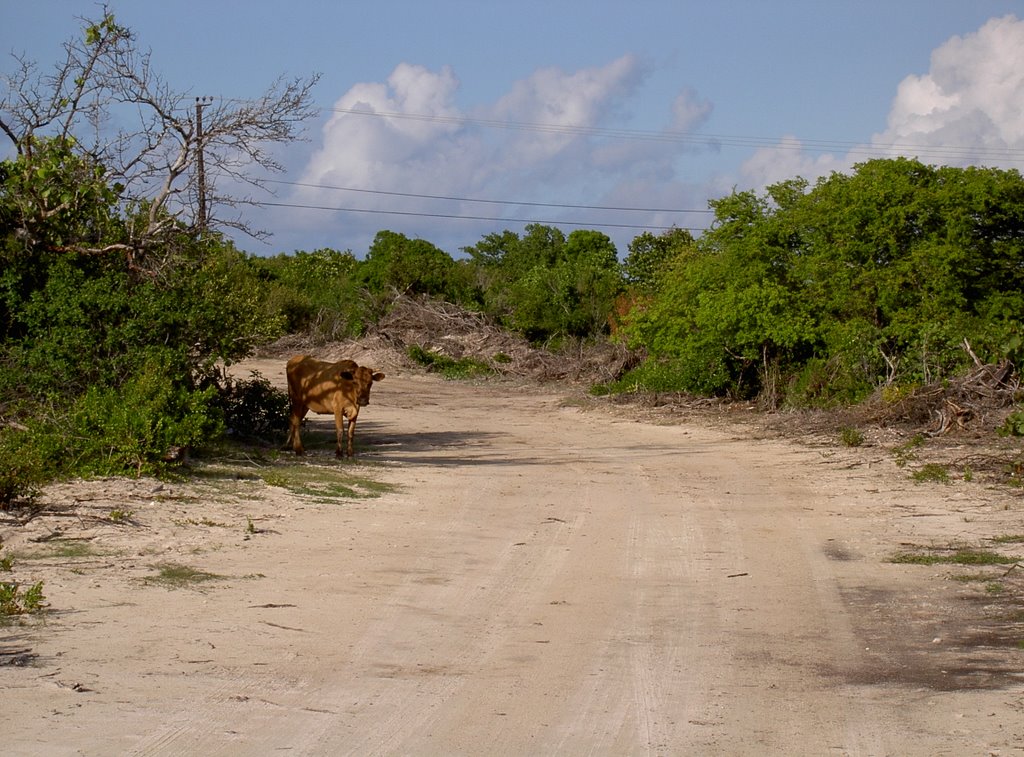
x: 906, y: 452
x: 959, y: 557
x: 72, y: 549
x: 851, y: 437
x: 218, y: 475
x: 931, y: 472
x: 177, y: 576
x: 325, y: 484
x: 67, y: 549
x: 450, y: 368
x: 1009, y: 539
x: 184, y: 522
x: 330, y: 484
x: 972, y: 578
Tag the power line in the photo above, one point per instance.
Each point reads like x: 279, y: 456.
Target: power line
x: 851, y: 148
x: 473, y: 218
x: 525, y: 203
x: 948, y: 151
x: 713, y: 140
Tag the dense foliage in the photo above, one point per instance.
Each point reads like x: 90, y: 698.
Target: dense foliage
x: 546, y: 285
x: 892, y: 275
x: 106, y: 367
x: 117, y: 302
x: 313, y: 292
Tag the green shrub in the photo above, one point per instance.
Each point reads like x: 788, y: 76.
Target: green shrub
x: 466, y: 368
x: 23, y: 469
x: 449, y: 367
x: 664, y: 375
x: 826, y: 383
x: 140, y: 426
x: 14, y: 600
x: 314, y: 293
x: 851, y: 437
x: 862, y: 280
x: 932, y: 472
x: 1013, y: 425
x: 253, y: 408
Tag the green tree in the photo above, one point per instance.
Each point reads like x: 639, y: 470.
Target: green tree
x: 547, y: 286
x: 822, y: 293
x: 649, y: 257
x: 590, y: 263
x: 315, y: 292
x: 409, y: 266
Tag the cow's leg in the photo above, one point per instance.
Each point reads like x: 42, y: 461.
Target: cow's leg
x: 294, y: 427
x: 351, y: 435
x: 339, y: 427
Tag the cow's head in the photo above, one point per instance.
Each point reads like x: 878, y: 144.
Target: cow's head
x: 364, y: 378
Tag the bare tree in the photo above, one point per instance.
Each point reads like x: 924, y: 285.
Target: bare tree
x: 105, y: 103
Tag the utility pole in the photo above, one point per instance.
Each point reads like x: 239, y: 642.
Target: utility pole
x: 201, y: 102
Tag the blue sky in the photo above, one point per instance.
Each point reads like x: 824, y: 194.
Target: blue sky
x: 652, y: 105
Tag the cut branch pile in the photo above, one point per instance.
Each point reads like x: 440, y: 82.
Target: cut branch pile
x: 954, y: 403
x: 457, y: 333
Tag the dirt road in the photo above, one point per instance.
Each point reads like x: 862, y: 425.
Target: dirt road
x: 544, y: 579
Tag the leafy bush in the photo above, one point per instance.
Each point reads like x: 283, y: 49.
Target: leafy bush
x: 315, y: 293
x: 851, y: 437
x: 935, y: 472
x: 140, y: 426
x: 14, y: 600
x: 864, y: 280
x: 144, y: 426
x: 1013, y: 425
x: 826, y: 383
x: 23, y: 468
x: 546, y: 286
x: 654, y: 375
x: 410, y: 266
x: 253, y: 408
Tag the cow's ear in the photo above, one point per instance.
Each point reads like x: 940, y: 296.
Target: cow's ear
x: 347, y: 375
x: 378, y: 376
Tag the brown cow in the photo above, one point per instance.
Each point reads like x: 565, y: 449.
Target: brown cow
x: 340, y: 388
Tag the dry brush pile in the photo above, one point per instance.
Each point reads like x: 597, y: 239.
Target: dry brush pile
x: 457, y: 333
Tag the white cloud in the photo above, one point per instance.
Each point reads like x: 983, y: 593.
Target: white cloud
x: 972, y: 97
x: 689, y: 111
x: 552, y: 96
x: 415, y: 139
x: 967, y: 110
x: 786, y: 160
x: 361, y: 150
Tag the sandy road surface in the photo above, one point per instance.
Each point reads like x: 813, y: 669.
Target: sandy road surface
x: 545, y: 580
